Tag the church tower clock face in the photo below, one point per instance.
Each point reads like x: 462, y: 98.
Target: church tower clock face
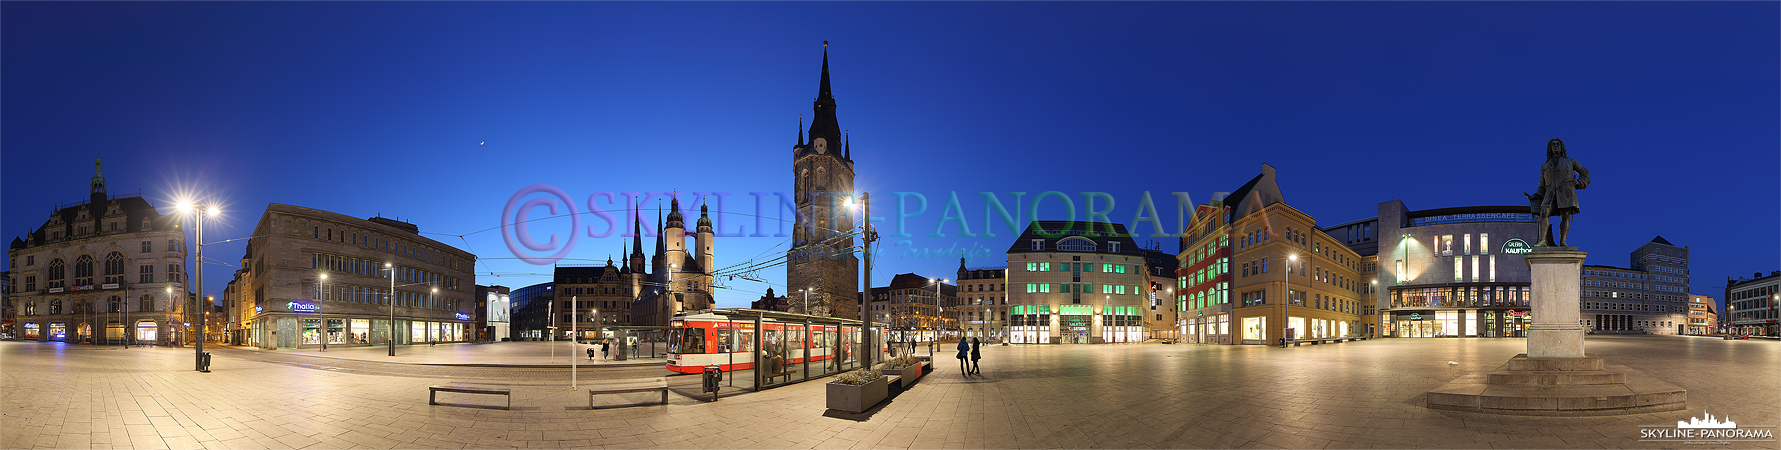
x: 822, y: 146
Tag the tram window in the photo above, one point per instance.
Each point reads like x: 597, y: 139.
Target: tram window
x: 794, y: 338
x: 695, y: 341
x: 674, y: 340
x: 746, y: 343
x: 725, y: 341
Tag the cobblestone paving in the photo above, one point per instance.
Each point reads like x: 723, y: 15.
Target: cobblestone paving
x: 1352, y: 395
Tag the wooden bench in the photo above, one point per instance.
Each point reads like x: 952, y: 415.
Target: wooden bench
x: 769, y: 377
x: 433, y: 392
x: 895, y: 380
x: 657, y: 384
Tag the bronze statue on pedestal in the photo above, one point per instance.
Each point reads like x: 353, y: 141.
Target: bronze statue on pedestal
x: 1558, y: 192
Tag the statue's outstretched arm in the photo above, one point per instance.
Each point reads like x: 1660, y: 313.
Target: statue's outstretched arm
x: 1582, y: 174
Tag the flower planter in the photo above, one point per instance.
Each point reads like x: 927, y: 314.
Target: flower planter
x: 857, y: 398
x: 909, y: 374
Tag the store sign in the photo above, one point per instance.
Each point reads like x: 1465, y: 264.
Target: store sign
x: 1416, y: 316
x: 1516, y: 246
x: 1518, y: 314
x: 258, y: 310
x: 109, y: 286
x: 462, y: 316
x: 55, y: 290
x: 302, y: 307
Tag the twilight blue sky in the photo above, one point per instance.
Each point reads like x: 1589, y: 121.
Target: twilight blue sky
x: 379, y: 108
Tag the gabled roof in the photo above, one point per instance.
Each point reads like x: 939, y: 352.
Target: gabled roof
x: 1660, y: 240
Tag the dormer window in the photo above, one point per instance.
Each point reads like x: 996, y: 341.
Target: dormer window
x: 1038, y: 244
x: 1113, y: 247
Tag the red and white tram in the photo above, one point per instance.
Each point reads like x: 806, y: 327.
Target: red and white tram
x: 728, y: 339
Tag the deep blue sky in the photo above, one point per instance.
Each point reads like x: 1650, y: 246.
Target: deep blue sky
x: 379, y: 108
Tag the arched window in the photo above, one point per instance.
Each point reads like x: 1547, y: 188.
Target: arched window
x: 114, y: 268
x: 1076, y: 244
x: 114, y: 264
x: 55, y: 306
x: 822, y: 179
x: 83, y: 270
x: 57, y: 272
x: 146, y: 303
x: 30, y: 308
x: 115, y: 305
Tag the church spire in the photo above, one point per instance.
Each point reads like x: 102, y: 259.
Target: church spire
x: 824, y: 125
x: 622, y: 250
x: 823, y: 92
x: 637, y: 234
x: 800, y: 130
x: 98, y: 179
x: 847, y: 146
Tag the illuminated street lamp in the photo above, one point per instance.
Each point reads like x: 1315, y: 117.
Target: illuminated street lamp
x: 188, y: 208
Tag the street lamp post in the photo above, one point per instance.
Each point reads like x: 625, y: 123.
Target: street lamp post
x: 937, y: 315
x: 391, y: 299
x: 866, y: 238
x: 198, y: 229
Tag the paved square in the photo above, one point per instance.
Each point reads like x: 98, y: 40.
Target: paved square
x: 1352, y: 395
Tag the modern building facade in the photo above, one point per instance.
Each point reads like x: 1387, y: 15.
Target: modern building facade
x: 1750, y: 304
x: 494, y: 313
x: 919, y: 308
x: 1254, y: 270
x: 983, y: 302
x: 531, y: 311
x: 1454, y: 272
x: 1703, y: 315
x: 822, y: 254
x: 1076, y: 282
x: 1650, y: 297
x: 107, y: 270
x: 318, y: 278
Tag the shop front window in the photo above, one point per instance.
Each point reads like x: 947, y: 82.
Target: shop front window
x: 361, y: 331
x: 312, y: 332
x: 147, y: 331
x: 336, y: 331
x: 58, y: 330
x: 1254, y: 328
x: 31, y: 330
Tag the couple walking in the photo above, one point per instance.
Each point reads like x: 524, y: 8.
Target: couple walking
x: 970, y: 350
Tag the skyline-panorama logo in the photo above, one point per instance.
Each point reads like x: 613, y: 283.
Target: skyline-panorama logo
x: 1707, y: 430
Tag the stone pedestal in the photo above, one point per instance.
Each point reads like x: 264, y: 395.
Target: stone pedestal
x: 1556, y: 332
x: 1555, y: 377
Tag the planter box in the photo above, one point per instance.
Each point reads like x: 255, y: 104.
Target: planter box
x: 857, y: 398
x: 909, y: 374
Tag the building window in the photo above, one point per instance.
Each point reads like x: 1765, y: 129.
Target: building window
x: 1483, y: 243
x: 1468, y: 242
x: 1038, y: 244
x: 1445, y: 243
x: 1113, y: 247
x: 147, y: 246
x: 147, y: 273
x: 1264, y: 265
x: 146, y: 303
x: 1493, y: 268
x: 1459, y: 270
x: 1475, y: 269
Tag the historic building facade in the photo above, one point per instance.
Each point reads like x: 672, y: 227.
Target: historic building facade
x: 678, y: 280
x: 1076, y: 282
x: 1257, y: 271
x: 109, y: 270
x: 1650, y: 297
x: 1703, y: 315
x: 312, y: 278
x: 918, y: 308
x: 1751, y: 304
x: 983, y: 302
x: 822, y: 256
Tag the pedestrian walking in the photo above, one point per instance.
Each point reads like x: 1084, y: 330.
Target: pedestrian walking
x: 605, y: 350
x: 964, y: 348
x: 975, y: 355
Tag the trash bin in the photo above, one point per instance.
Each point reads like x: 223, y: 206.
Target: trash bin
x: 712, y: 375
x: 205, y: 362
